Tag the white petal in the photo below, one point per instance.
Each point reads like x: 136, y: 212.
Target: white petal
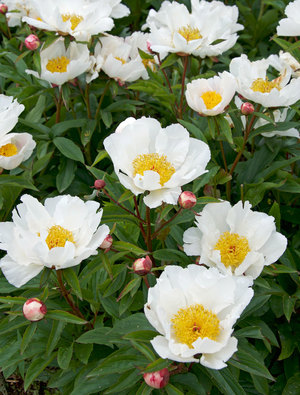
x: 216, y: 360
x: 17, y: 274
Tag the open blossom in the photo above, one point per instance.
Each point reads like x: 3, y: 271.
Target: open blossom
x: 147, y: 157
x: 174, y: 29
x: 211, y: 96
x: 20, y: 8
x: 235, y: 239
x: 194, y: 310
x: 59, y: 234
x: 290, y: 26
x: 287, y: 58
x: 73, y: 17
x: 254, y: 84
x: 10, y: 110
x: 59, y: 65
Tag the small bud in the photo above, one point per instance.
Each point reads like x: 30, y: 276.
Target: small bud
x: 99, y: 184
x: 142, y: 266
x: 157, y: 379
x: 3, y: 8
x: 34, y: 309
x: 107, y: 242
x: 149, y: 47
x: 187, y: 199
x: 32, y: 42
x: 247, y: 108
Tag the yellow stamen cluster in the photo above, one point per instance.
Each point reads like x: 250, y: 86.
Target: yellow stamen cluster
x: 8, y: 150
x: 190, y: 33
x: 211, y: 99
x: 193, y: 322
x: 148, y: 63
x: 74, y: 19
x: 58, y: 65
x: 264, y: 85
x: 123, y: 61
x: 58, y: 236
x: 154, y: 162
x: 233, y: 249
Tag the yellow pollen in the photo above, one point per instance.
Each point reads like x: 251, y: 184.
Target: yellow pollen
x: 154, y: 162
x: 148, y: 63
x: 58, y: 236
x: 39, y: 19
x: 58, y: 65
x: 74, y: 19
x: 190, y: 33
x: 233, y: 249
x: 123, y: 61
x: 193, y: 322
x: 8, y: 150
x: 264, y: 85
x: 211, y: 99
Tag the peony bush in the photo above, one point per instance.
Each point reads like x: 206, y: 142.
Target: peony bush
x: 149, y: 211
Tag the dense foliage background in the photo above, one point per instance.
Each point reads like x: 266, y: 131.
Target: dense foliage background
x: 107, y: 351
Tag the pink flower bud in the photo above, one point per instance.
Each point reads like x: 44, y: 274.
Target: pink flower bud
x: 107, y: 242
x: 32, y: 42
x: 142, y: 266
x: 149, y: 47
x: 247, y: 108
x: 157, y: 379
x: 187, y: 199
x: 3, y: 8
x: 99, y: 184
x: 34, y: 309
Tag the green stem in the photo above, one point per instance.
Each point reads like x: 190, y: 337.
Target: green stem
x: 140, y: 218
x: 58, y: 105
x: 102, y: 98
x: 185, y: 64
x: 87, y: 96
x: 166, y: 223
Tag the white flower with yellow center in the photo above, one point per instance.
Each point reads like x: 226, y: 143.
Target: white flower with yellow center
x: 211, y: 96
x: 59, y: 65
x: 254, y: 84
x: 59, y: 234
x: 17, y: 9
x: 194, y: 310
x: 234, y: 239
x: 290, y: 26
x: 147, y: 157
x: 74, y: 17
x: 174, y: 29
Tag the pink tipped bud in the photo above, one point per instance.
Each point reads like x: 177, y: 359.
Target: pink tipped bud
x: 99, y: 184
x: 187, y: 199
x: 32, y: 42
x: 247, y: 108
x: 142, y: 266
x: 157, y: 379
x: 34, y: 309
x: 149, y: 47
x: 107, y: 242
x: 3, y: 8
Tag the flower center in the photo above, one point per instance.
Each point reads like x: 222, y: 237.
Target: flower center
x: 264, y: 85
x: 8, y: 150
x: 148, y: 63
x: 233, y: 249
x: 123, y: 61
x: 58, y: 65
x: 154, y: 162
x: 211, y: 99
x: 189, y: 33
x: 73, y: 18
x: 58, y: 236
x: 195, y: 321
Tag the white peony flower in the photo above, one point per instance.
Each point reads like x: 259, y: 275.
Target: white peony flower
x: 75, y: 17
x: 10, y: 110
x: 211, y: 96
x: 58, y: 235
x: 21, y: 8
x: 287, y: 58
x: 15, y: 148
x: 147, y: 157
x: 174, y: 29
x: 235, y: 239
x: 194, y: 310
x: 290, y: 26
x: 59, y: 65
x: 253, y: 82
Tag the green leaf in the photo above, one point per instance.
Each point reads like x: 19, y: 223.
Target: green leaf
x: 35, y: 369
x: 100, y: 156
x: 18, y: 181
x: 72, y: 279
x: 28, y: 334
x: 224, y: 128
x: 13, y: 299
x: 168, y: 254
x: 57, y: 328
x: 157, y: 365
x: 143, y: 336
x: 36, y: 113
x: 65, y: 175
x: 247, y: 362
x: 65, y: 317
x: 292, y: 386
x: 172, y: 390
x: 64, y: 356
x: 145, y: 350
x: 69, y: 149
x: 225, y: 381
x: 124, y: 246
x: 95, y: 336
x: 127, y: 380
x: 169, y: 61
x: 62, y: 127
x: 288, y: 306
x: 132, y: 284
x: 83, y: 352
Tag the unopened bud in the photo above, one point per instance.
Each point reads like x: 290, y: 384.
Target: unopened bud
x: 107, y: 242
x: 187, y: 199
x: 157, y: 379
x: 3, y: 8
x: 149, y: 47
x: 34, y: 309
x: 247, y: 108
x: 142, y: 266
x: 32, y: 42
x: 99, y: 184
